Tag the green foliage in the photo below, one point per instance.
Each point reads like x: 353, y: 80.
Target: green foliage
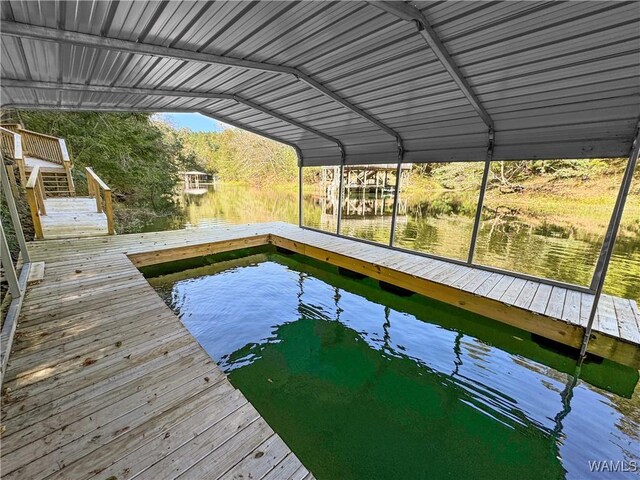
x: 7, y: 224
x: 467, y: 175
x: 510, y: 172
x: 239, y: 156
x: 137, y: 157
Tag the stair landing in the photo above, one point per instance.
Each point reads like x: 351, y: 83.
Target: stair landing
x: 31, y: 162
x: 72, y: 217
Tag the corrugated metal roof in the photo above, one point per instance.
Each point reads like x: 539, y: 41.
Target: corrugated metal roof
x: 558, y: 79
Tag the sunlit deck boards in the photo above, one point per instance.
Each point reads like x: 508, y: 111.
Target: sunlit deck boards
x: 72, y: 217
x: 550, y: 311
x: 104, y: 381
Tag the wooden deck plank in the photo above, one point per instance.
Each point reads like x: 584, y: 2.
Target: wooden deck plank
x: 288, y: 468
x: 491, y: 281
x: 18, y: 418
x: 476, y: 281
x: 501, y: 287
x: 221, y: 458
x: 527, y: 294
x: 466, y: 279
x: 556, y: 302
x: 586, y: 304
x: 22, y: 430
x: 230, y: 410
x: 513, y: 291
x: 626, y: 320
x: 66, y: 417
x: 50, y: 462
x: 125, y: 412
x: 260, y: 461
x: 92, y: 321
x: 93, y: 344
x: 541, y: 299
x: 571, y: 309
x: 607, y: 321
x: 451, y: 271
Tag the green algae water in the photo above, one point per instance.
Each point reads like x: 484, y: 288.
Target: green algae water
x: 362, y: 383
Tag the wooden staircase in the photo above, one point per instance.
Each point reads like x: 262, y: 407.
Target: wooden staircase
x: 44, y: 170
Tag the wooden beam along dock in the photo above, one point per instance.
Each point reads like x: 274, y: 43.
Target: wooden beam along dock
x: 104, y: 381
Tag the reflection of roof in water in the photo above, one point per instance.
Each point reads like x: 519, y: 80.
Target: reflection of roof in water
x: 193, y: 172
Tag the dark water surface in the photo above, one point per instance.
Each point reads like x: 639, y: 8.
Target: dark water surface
x: 427, y: 225
x: 365, y: 384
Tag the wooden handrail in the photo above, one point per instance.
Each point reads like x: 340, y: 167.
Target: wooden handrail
x: 14, y: 127
x: 38, y: 134
x: 11, y: 144
x: 42, y: 146
x: 100, y: 191
x: 35, y: 198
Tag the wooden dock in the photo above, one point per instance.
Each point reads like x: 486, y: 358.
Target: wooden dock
x: 553, y: 312
x: 104, y: 381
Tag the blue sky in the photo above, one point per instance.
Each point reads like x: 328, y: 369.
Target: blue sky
x: 193, y: 121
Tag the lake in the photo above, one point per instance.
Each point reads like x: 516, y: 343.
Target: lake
x: 431, y: 224
x: 362, y: 383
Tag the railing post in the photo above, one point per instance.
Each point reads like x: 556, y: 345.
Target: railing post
x: 602, y: 265
x: 15, y: 218
x: 109, y: 212
x: 66, y: 162
x: 483, y: 189
x: 42, y: 196
x: 98, y: 200
x: 95, y: 186
x: 32, y: 191
x: 22, y: 171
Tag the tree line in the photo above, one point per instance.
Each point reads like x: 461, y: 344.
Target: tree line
x: 239, y: 156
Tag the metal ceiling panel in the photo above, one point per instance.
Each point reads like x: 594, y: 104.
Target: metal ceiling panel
x: 558, y: 79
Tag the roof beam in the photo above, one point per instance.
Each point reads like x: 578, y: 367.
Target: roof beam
x: 108, y: 109
x: 22, y: 30
x: 83, y: 88
x: 412, y: 14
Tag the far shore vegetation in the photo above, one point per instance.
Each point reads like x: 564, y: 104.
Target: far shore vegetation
x: 140, y: 157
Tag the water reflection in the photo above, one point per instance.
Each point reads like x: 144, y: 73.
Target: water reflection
x: 438, y: 223
x: 364, y: 384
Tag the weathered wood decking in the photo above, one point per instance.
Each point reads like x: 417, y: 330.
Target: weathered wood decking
x: 553, y: 312
x: 104, y: 380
